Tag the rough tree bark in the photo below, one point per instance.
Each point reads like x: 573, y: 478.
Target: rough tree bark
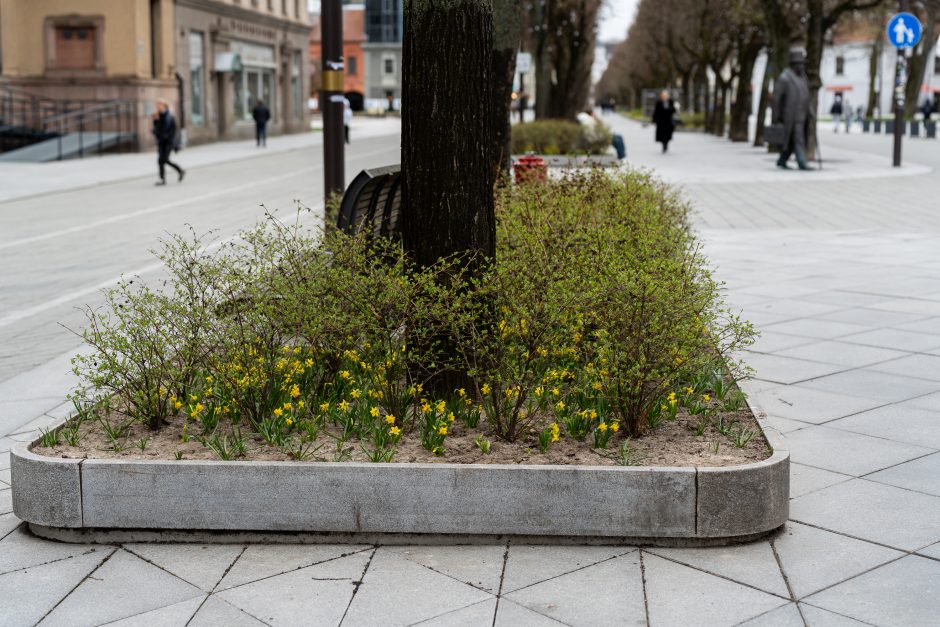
x: 917, y: 64
x: 447, y: 166
x: 874, y: 91
x: 741, y: 108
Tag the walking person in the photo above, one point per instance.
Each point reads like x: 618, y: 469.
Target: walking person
x: 261, y: 114
x: 836, y: 112
x: 164, y: 130
x: 347, y: 117
x: 664, y: 118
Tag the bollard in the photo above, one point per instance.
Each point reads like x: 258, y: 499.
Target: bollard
x: 530, y: 168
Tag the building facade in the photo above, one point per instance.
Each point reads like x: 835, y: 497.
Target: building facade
x: 383, y: 54
x: 211, y: 59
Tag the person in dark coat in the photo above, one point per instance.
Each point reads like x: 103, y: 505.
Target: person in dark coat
x: 664, y: 118
x: 792, y: 110
x: 261, y: 114
x: 164, y: 130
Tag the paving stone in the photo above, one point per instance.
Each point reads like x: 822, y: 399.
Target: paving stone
x: 4, y: 460
x: 806, y: 479
x: 6, y: 501
x: 813, y: 327
x: 770, y: 342
x: 479, y: 566
x: 682, y: 596
x: 21, y: 549
x: 5, y: 478
x: 16, y: 413
x: 799, y: 402
x: 921, y: 475
x: 403, y: 593
x: 930, y: 326
x: 813, y: 559
x: 785, y: 616
x: 476, y: 614
x: 786, y: 370
x: 751, y: 564
x: 527, y: 565
x: 905, y: 592
x: 29, y: 594
x: 842, y: 297
x: 130, y: 585
x: 260, y: 561
x: 901, y: 422
x: 817, y: 617
x: 314, y: 595
x: 895, y: 339
x: 872, y: 511
x: 201, y: 565
x: 846, y: 452
x: 876, y: 385
x: 794, y: 307
x: 609, y: 592
x: 931, y: 551
x: 169, y: 616
x: 842, y: 353
x: 215, y: 612
x: 783, y: 425
x: 8, y: 522
x: 510, y: 614
x: 875, y: 318
x: 910, y: 305
x: 917, y: 366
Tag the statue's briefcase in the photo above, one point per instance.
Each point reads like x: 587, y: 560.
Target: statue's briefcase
x: 774, y: 134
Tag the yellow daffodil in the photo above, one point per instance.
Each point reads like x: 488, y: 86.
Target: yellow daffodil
x: 278, y: 412
x: 344, y: 374
x: 706, y: 397
x: 442, y: 430
x: 390, y: 419
x: 395, y: 431
x: 615, y: 427
x: 374, y: 412
x: 295, y: 391
x: 602, y: 427
x: 344, y: 405
x: 560, y: 406
x: 300, y: 404
x: 461, y: 392
x: 289, y: 421
x: 486, y: 388
x: 324, y: 406
x: 355, y: 394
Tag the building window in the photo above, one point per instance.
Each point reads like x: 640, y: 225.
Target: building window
x: 351, y: 66
x: 840, y: 65
x: 284, y: 7
x: 936, y: 65
x: 297, y: 8
x: 197, y: 84
x: 75, y: 48
x: 389, y: 66
x: 295, y: 84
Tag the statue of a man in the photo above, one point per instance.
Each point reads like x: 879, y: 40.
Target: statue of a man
x: 792, y: 110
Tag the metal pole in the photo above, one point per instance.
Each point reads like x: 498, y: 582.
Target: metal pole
x: 900, y: 82
x: 331, y: 97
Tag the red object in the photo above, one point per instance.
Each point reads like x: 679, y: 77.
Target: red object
x: 530, y: 168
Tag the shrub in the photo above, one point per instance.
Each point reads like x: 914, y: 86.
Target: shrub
x: 559, y: 137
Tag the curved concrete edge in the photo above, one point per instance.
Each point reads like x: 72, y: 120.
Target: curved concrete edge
x: 675, y: 505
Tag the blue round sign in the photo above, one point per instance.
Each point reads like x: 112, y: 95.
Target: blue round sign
x: 904, y: 30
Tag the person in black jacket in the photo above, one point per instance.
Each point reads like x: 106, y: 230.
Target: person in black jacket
x: 664, y: 118
x: 261, y: 114
x: 164, y: 130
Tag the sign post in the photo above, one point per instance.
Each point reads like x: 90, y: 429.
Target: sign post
x: 903, y: 32
x: 332, y: 99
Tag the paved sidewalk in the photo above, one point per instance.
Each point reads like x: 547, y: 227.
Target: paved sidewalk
x: 846, y: 288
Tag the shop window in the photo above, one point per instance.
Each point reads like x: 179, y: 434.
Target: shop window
x: 75, y: 48
x: 840, y: 65
x: 197, y: 83
x: 352, y: 65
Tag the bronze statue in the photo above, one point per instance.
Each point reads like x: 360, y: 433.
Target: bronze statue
x: 792, y: 111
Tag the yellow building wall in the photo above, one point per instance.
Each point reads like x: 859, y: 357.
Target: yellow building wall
x: 125, y: 41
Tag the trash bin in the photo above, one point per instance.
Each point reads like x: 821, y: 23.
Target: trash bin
x: 530, y: 168
x: 866, y: 126
x: 915, y: 128
x: 877, y: 126
x: 889, y: 127
x: 931, y: 128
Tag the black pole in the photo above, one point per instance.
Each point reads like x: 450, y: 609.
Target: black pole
x: 900, y: 82
x: 331, y: 97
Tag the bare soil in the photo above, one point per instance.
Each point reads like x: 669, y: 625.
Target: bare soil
x: 670, y: 444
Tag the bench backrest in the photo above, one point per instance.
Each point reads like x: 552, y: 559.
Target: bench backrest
x: 372, y: 202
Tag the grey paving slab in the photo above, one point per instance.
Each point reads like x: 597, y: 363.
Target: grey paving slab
x: 895, y: 339
x: 785, y: 616
x: 403, y: 593
x: 905, y: 592
x: 314, y: 595
x: 589, y: 596
x: 875, y: 318
x: 479, y: 566
x: 931, y: 551
x: 199, y: 564
x: 794, y: 307
x: 930, y: 326
x: 260, y: 561
x: 6, y: 500
x: 799, y: 402
x: 846, y: 452
x: 4, y: 461
x: 121, y: 580
x: 876, y: 385
x: 842, y: 353
x: 921, y: 475
x: 814, y: 327
x: 784, y: 425
x: 813, y: 559
x: 20, y: 549
x: 527, y: 565
x: 29, y: 594
x: 930, y: 402
x: 919, y: 366
x: 15, y: 414
x: 682, y: 596
x: 845, y: 298
x: 872, y: 511
x: 169, y: 616
x: 215, y: 612
x: 481, y: 613
x: 771, y: 342
x: 8, y: 522
x: 817, y: 617
x: 901, y: 422
x: 806, y: 479
x: 779, y: 369
x: 911, y: 305
x: 752, y: 564
x: 510, y: 614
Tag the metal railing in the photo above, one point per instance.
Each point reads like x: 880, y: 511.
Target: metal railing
x: 26, y: 119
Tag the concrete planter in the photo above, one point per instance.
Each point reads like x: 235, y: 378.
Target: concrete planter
x: 360, y: 499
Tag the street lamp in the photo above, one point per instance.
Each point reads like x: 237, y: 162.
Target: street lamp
x: 331, y: 98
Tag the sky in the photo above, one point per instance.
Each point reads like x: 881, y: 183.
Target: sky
x: 615, y: 19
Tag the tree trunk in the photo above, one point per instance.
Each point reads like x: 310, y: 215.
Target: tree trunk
x: 447, y: 166
x: 507, y: 32
x: 815, y: 35
x: 874, y: 91
x: 687, y: 93
x: 917, y: 64
x: 763, y: 104
x: 741, y: 109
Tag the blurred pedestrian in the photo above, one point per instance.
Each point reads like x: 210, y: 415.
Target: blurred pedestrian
x: 927, y: 109
x: 847, y: 114
x: 836, y: 112
x: 347, y: 117
x: 164, y: 131
x: 523, y: 105
x: 594, y: 128
x: 261, y: 114
x: 664, y: 118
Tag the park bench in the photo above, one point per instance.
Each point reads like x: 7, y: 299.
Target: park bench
x: 372, y: 203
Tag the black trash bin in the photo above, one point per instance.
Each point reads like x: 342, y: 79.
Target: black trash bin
x: 866, y: 126
x: 877, y: 126
x: 931, y: 128
x: 889, y: 127
x: 915, y: 128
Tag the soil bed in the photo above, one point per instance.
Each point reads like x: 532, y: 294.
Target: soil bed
x: 672, y: 443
